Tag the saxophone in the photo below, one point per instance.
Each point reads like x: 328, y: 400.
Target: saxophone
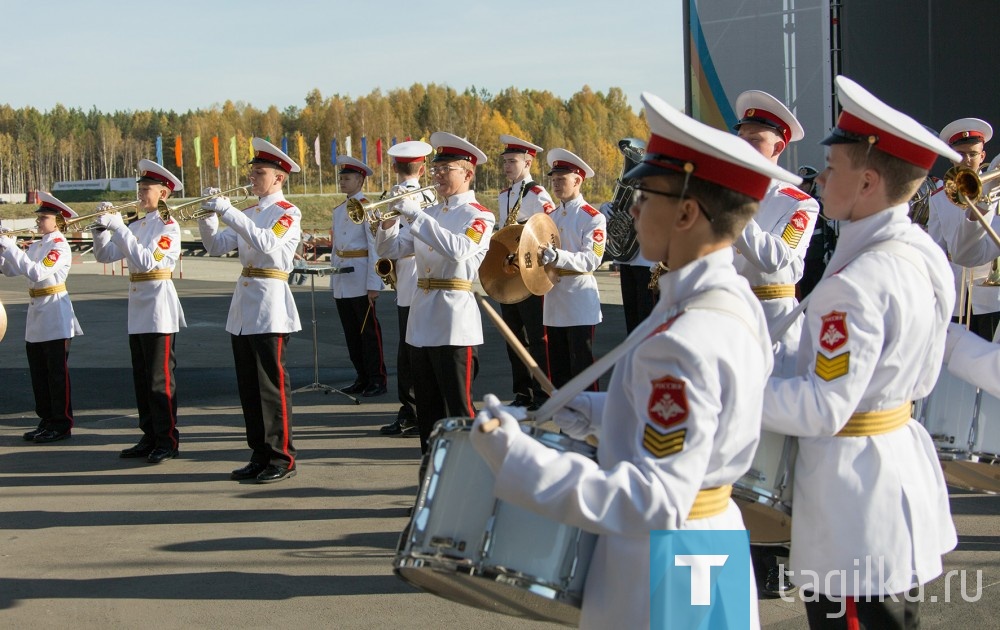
x: 512, y: 215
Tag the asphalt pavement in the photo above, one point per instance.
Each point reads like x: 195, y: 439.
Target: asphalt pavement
x: 88, y: 540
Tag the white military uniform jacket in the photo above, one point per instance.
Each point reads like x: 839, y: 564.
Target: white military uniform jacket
x: 686, y: 381
x: 536, y: 199
x: 348, y: 236
x: 772, y: 249
x: 943, y: 226
x: 575, y: 300
x: 266, y: 236
x: 977, y: 361
x: 873, y: 340
x: 972, y: 246
x: 45, y: 264
x: 406, y: 266
x: 148, y: 244
x: 450, y: 240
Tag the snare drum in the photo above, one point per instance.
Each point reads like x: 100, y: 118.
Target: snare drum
x: 764, y: 493
x: 961, y: 420
x: 465, y: 545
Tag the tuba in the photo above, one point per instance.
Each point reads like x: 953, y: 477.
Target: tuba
x: 622, y: 244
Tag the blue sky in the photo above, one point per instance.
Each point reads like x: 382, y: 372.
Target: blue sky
x: 180, y: 54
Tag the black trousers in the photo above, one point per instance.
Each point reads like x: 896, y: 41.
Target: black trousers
x: 48, y: 363
x: 525, y: 320
x: 570, y: 351
x: 404, y: 370
x: 153, y: 364
x: 364, y: 339
x: 266, y: 396
x: 857, y: 614
x: 442, y: 380
x: 637, y: 299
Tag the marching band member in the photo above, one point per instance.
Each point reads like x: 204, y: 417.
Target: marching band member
x: 262, y: 315
x: 573, y: 306
x: 151, y: 246
x: 771, y: 251
x: 967, y: 136
x: 449, y: 240
x: 517, y: 203
x: 973, y: 359
x: 353, y: 244
x: 681, y: 417
x: 408, y: 159
x: 634, y: 278
x: 871, y: 509
x: 51, y: 323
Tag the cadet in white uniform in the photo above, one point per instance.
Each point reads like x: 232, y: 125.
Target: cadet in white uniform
x: 408, y: 160
x: 355, y: 293
x: 516, y: 204
x: 771, y: 251
x: 967, y: 136
x: 151, y: 246
x: 450, y: 240
x: 573, y: 306
x: 262, y: 315
x: 50, y: 322
x: 871, y: 508
x: 681, y: 418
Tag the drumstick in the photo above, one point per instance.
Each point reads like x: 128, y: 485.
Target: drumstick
x: 516, y: 345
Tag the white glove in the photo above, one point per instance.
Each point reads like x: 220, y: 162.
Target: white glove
x: 575, y: 418
x: 407, y: 208
x: 7, y: 242
x: 218, y: 205
x: 112, y: 221
x: 955, y: 334
x: 549, y: 255
x: 494, y: 445
x: 206, y: 192
x: 104, y: 205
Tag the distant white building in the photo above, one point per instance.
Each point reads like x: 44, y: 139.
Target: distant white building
x: 116, y: 184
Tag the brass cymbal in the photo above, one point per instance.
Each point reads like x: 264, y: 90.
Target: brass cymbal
x: 539, y: 230
x: 499, y: 273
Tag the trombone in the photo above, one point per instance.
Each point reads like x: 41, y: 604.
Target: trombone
x: 964, y: 187
x: 239, y: 194
x: 373, y: 211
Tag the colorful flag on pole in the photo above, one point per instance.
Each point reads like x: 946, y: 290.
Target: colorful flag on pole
x: 232, y: 150
x: 197, y: 151
x: 250, y: 145
x: 215, y: 150
x: 393, y: 141
x: 159, y: 150
x: 178, y: 152
x: 316, y: 151
x: 364, y: 149
x: 347, y: 145
x: 333, y: 150
x: 378, y: 151
x: 302, y: 150
x: 284, y: 145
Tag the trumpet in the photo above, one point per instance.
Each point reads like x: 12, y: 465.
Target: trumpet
x: 373, y: 212
x: 239, y: 194
x: 87, y: 223
x: 19, y: 232
x: 962, y: 181
x: 386, y: 270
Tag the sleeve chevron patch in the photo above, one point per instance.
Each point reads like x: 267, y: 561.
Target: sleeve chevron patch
x: 663, y: 444
x: 831, y: 368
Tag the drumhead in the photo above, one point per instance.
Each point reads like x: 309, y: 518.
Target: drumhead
x: 554, y: 440
x: 3, y: 321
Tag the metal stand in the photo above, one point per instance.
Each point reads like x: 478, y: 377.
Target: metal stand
x: 316, y: 386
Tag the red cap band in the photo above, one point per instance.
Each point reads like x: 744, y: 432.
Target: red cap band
x: 158, y: 177
x: 517, y: 147
x: 888, y: 143
x: 568, y: 166
x: 709, y: 168
x: 53, y: 207
x: 763, y: 114
x: 458, y: 153
x: 353, y: 167
x: 967, y: 135
x: 408, y: 160
x: 268, y: 157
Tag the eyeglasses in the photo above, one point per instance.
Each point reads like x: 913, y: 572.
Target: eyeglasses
x: 640, y: 196
x: 443, y: 170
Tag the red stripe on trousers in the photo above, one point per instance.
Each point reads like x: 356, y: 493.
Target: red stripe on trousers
x: 284, y: 408
x: 468, y: 380
x: 66, y: 411
x: 166, y: 378
x: 548, y: 359
x: 851, y: 614
x: 378, y: 340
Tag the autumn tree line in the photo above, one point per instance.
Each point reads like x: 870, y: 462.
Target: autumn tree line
x: 66, y: 144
